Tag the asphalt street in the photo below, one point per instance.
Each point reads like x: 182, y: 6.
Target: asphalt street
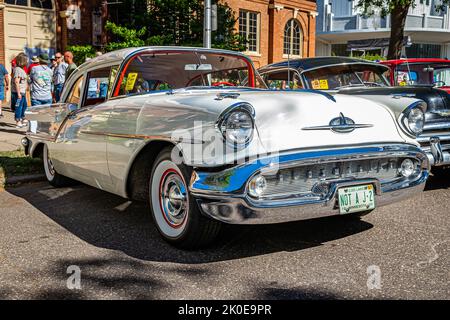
x: 401, y: 251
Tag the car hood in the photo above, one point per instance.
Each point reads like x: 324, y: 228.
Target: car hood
x: 438, y: 102
x: 289, y: 120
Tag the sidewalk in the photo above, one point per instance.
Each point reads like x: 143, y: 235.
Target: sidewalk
x: 10, y: 136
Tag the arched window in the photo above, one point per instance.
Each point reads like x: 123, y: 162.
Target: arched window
x: 293, y: 38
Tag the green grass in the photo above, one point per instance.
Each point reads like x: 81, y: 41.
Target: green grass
x: 16, y: 163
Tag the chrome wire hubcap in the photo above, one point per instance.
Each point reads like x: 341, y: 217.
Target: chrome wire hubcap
x: 174, y: 199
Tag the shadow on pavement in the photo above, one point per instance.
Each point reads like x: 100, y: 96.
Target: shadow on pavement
x: 107, y: 221
x: 110, y: 278
x: 102, y: 277
x: 439, y: 179
x: 14, y: 131
x: 295, y: 294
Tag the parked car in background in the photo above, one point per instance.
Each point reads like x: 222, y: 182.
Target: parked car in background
x: 419, y: 72
x: 342, y: 75
x: 197, y: 134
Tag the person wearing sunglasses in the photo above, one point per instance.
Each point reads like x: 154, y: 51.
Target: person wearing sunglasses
x: 59, y: 75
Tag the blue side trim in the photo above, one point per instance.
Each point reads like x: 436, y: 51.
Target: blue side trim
x: 234, y: 179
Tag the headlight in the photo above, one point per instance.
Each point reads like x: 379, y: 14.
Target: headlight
x: 416, y: 121
x: 257, y: 186
x: 237, y: 126
x: 408, y: 168
x: 413, y: 119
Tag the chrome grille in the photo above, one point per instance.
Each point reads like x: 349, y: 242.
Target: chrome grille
x: 309, y: 179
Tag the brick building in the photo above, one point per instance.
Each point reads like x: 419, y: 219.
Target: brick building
x: 276, y: 30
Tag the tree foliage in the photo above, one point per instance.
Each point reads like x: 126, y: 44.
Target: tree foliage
x: 385, y: 7
x: 125, y: 37
x: 398, y: 9
x: 170, y: 22
x: 81, y: 53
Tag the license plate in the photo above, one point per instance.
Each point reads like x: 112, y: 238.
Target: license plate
x: 356, y: 199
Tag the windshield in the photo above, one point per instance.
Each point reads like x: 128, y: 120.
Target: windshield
x: 342, y: 76
x: 156, y: 71
x: 422, y: 74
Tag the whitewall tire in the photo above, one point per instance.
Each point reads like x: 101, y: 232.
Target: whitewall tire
x: 175, y: 212
x: 53, y: 177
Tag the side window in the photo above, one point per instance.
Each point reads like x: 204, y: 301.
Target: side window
x: 98, y: 84
x: 75, y: 94
x: 282, y: 80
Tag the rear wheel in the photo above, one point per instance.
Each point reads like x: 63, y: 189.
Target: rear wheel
x: 174, y: 210
x: 53, y: 177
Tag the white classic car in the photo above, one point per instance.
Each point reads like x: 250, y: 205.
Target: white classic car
x: 196, y: 133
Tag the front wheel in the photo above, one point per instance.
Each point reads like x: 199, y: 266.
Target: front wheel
x: 53, y: 177
x: 174, y: 210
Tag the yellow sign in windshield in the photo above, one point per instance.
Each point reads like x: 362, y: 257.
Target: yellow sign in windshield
x: 131, y: 80
x: 320, y: 84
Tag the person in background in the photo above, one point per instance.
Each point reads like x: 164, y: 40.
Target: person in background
x: 4, y: 85
x: 104, y: 82
x: 41, y: 77
x: 18, y: 91
x: 52, y: 66
x: 14, y: 64
x: 59, y: 75
x: 94, y: 88
x: 53, y: 63
x: 71, y: 66
x: 34, y: 63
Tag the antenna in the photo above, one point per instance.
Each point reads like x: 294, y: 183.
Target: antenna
x: 407, y: 61
x: 409, y: 69
x: 289, y: 70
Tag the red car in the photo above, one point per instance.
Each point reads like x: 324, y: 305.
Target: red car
x: 423, y: 71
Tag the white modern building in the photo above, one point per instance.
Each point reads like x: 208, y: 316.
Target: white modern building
x: 340, y: 22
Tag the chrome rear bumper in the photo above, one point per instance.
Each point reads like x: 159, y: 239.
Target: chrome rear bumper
x: 223, y: 195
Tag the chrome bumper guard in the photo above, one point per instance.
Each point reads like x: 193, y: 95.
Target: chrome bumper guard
x: 223, y: 195
x: 437, y: 149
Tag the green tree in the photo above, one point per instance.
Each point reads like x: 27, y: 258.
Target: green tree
x: 171, y: 22
x: 124, y: 37
x: 398, y: 9
x: 81, y: 53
